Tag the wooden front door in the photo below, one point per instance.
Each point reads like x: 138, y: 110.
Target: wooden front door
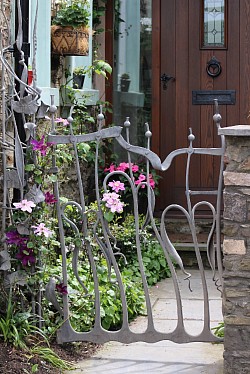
x: 178, y: 41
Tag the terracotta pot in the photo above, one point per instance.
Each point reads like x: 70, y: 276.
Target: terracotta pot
x: 69, y: 41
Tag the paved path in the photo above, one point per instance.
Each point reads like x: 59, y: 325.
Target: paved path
x: 165, y: 357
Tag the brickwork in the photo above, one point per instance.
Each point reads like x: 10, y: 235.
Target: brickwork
x: 236, y: 248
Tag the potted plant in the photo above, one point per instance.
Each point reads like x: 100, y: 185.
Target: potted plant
x: 100, y: 67
x: 125, y: 82
x: 78, y: 77
x: 70, y: 29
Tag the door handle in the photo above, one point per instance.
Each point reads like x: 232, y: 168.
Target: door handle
x: 165, y: 79
x: 213, y: 67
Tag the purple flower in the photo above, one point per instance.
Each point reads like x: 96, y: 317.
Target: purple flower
x: 62, y: 288
x: 26, y: 256
x: 50, y: 198
x: 13, y: 237
x: 40, y: 145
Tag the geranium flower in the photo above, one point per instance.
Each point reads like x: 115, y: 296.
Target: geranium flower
x: 26, y: 256
x: 134, y: 168
x: 50, y: 198
x: 41, y: 229
x: 117, y: 186
x: 151, y: 181
x: 62, y: 288
x: 111, y: 168
x: 64, y: 121
x: 40, y: 145
x: 25, y: 205
x: 123, y: 166
x: 13, y: 237
x: 141, y: 179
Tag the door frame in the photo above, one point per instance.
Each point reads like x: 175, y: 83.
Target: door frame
x: 156, y: 73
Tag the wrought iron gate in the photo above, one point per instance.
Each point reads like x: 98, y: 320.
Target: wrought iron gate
x: 98, y: 229
x: 108, y: 246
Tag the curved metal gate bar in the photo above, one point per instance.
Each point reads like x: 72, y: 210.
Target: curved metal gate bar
x: 107, y: 243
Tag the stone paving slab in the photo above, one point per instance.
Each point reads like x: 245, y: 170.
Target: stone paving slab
x: 165, y: 357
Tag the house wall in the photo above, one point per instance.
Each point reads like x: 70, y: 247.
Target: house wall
x: 42, y: 49
x: 236, y: 248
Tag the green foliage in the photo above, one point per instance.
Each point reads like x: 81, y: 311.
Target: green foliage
x: 219, y: 330
x: 75, y: 14
x: 155, y: 264
x: 99, y: 8
x: 82, y: 306
x: 16, y: 327
x: 125, y: 76
x: 99, y: 67
x: 47, y: 354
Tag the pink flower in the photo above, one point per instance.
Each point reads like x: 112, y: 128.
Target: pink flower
x: 123, y: 166
x: 117, y: 186
x: 141, y: 179
x: 135, y: 168
x: 64, y: 121
x: 40, y: 145
x: 113, y: 202
x: 42, y: 230
x: 117, y: 206
x: 111, y: 168
x: 152, y: 183
x: 25, y: 205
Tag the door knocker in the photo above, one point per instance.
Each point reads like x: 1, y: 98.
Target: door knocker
x: 213, y: 67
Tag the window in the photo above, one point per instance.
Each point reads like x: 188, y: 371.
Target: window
x: 213, y: 24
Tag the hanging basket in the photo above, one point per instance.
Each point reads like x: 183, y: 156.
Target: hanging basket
x: 69, y: 41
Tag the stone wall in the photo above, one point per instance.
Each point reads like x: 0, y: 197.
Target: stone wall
x: 236, y: 248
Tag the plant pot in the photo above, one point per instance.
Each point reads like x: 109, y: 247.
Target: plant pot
x: 78, y: 81
x: 30, y: 77
x: 125, y: 83
x: 69, y: 41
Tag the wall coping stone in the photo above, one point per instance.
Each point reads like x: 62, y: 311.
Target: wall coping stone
x: 237, y: 130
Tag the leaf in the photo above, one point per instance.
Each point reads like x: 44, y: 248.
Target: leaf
x: 29, y: 167
x: 52, y: 178
x: 109, y: 216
